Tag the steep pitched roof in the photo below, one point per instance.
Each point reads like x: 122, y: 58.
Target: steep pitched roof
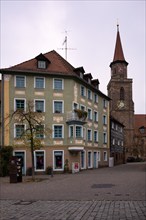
x: 56, y: 63
x: 118, y: 55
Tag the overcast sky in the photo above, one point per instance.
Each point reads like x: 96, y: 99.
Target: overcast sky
x: 29, y: 28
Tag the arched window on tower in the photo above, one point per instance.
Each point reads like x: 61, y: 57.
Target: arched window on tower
x: 122, y: 94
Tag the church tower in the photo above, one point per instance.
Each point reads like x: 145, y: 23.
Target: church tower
x: 120, y: 92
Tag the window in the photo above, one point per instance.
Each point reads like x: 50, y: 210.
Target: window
x: 104, y: 103
x: 39, y: 82
x: 89, y: 114
x: 79, y: 131
x: 58, y: 107
x: 89, y: 94
x: 58, y: 84
x: 83, y: 92
x: 39, y: 157
x: 122, y: 93
x: 95, y: 136
x: 89, y: 135
x: 40, y: 131
x: 71, y: 131
x: 95, y: 98
x: 113, y: 126
x: 113, y: 141
x: 58, y: 131
x: 104, y: 119
x: 98, y: 155
x: 20, y: 81
x: 83, y: 159
x: 42, y: 64
x: 89, y: 159
x: 39, y: 105
x: 75, y: 105
x: 20, y: 104
x: 19, y: 131
x: 105, y: 138
x: 82, y: 107
x: 105, y: 156
x: 95, y: 116
x: 58, y: 159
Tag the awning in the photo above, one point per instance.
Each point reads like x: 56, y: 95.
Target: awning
x: 76, y: 148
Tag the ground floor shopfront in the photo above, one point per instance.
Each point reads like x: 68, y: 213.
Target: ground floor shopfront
x: 60, y: 158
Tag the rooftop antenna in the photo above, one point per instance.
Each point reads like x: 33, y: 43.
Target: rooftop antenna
x: 65, y: 45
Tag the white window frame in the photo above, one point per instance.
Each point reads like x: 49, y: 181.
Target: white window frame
x: 15, y: 128
x: 62, y: 84
x: 95, y: 118
x: 91, y: 159
x: 104, y: 155
x: 73, y: 105
x: 90, y: 134
x: 104, y: 119
x: 35, y: 82
x: 84, y: 162
x: 89, y: 118
x: 83, y: 106
x: 95, y: 98
x: 41, y: 64
x: 81, y: 130
x: 56, y: 138
x: 54, y: 160
x: 39, y: 100
x: 71, y: 126
x: 84, y: 93
x: 54, y: 106
x: 89, y: 92
x: 98, y: 155
x: 104, y: 137
x: 43, y: 133
x: 39, y: 170
x: 24, y: 81
x: 97, y: 136
x: 19, y: 99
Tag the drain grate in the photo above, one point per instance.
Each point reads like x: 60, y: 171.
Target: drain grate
x: 95, y: 186
x: 24, y: 203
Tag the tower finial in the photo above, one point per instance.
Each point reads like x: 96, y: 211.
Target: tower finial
x: 117, y: 25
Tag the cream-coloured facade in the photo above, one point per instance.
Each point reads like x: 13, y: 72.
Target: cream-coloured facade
x: 58, y: 90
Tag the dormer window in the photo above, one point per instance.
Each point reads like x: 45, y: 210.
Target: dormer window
x: 41, y: 64
x: 42, y: 61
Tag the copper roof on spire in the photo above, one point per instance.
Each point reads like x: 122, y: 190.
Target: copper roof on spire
x: 118, y: 55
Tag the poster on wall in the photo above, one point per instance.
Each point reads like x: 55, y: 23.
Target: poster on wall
x: 75, y: 167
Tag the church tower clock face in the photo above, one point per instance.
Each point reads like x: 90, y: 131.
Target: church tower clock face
x: 120, y: 92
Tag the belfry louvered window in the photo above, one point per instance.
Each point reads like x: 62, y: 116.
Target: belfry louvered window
x: 122, y: 93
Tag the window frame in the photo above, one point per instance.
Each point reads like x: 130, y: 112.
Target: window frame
x: 35, y: 84
x: 62, y: 168
x: 55, y: 101
x: 39, y: 170
x: 19, y: 87
x: 15, y: 130
x: 89, y: 135
x: 15, y: 99
x: 39, y: 100
x: 62, y: 132
x: 62, y: 84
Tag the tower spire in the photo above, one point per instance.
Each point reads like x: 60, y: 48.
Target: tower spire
x: 118, y: 54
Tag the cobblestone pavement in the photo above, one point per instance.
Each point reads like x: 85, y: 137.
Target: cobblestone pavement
x: 117, y: 193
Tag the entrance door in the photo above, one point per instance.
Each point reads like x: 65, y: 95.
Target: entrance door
x: 21, y: 155
x: 95, y: 160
